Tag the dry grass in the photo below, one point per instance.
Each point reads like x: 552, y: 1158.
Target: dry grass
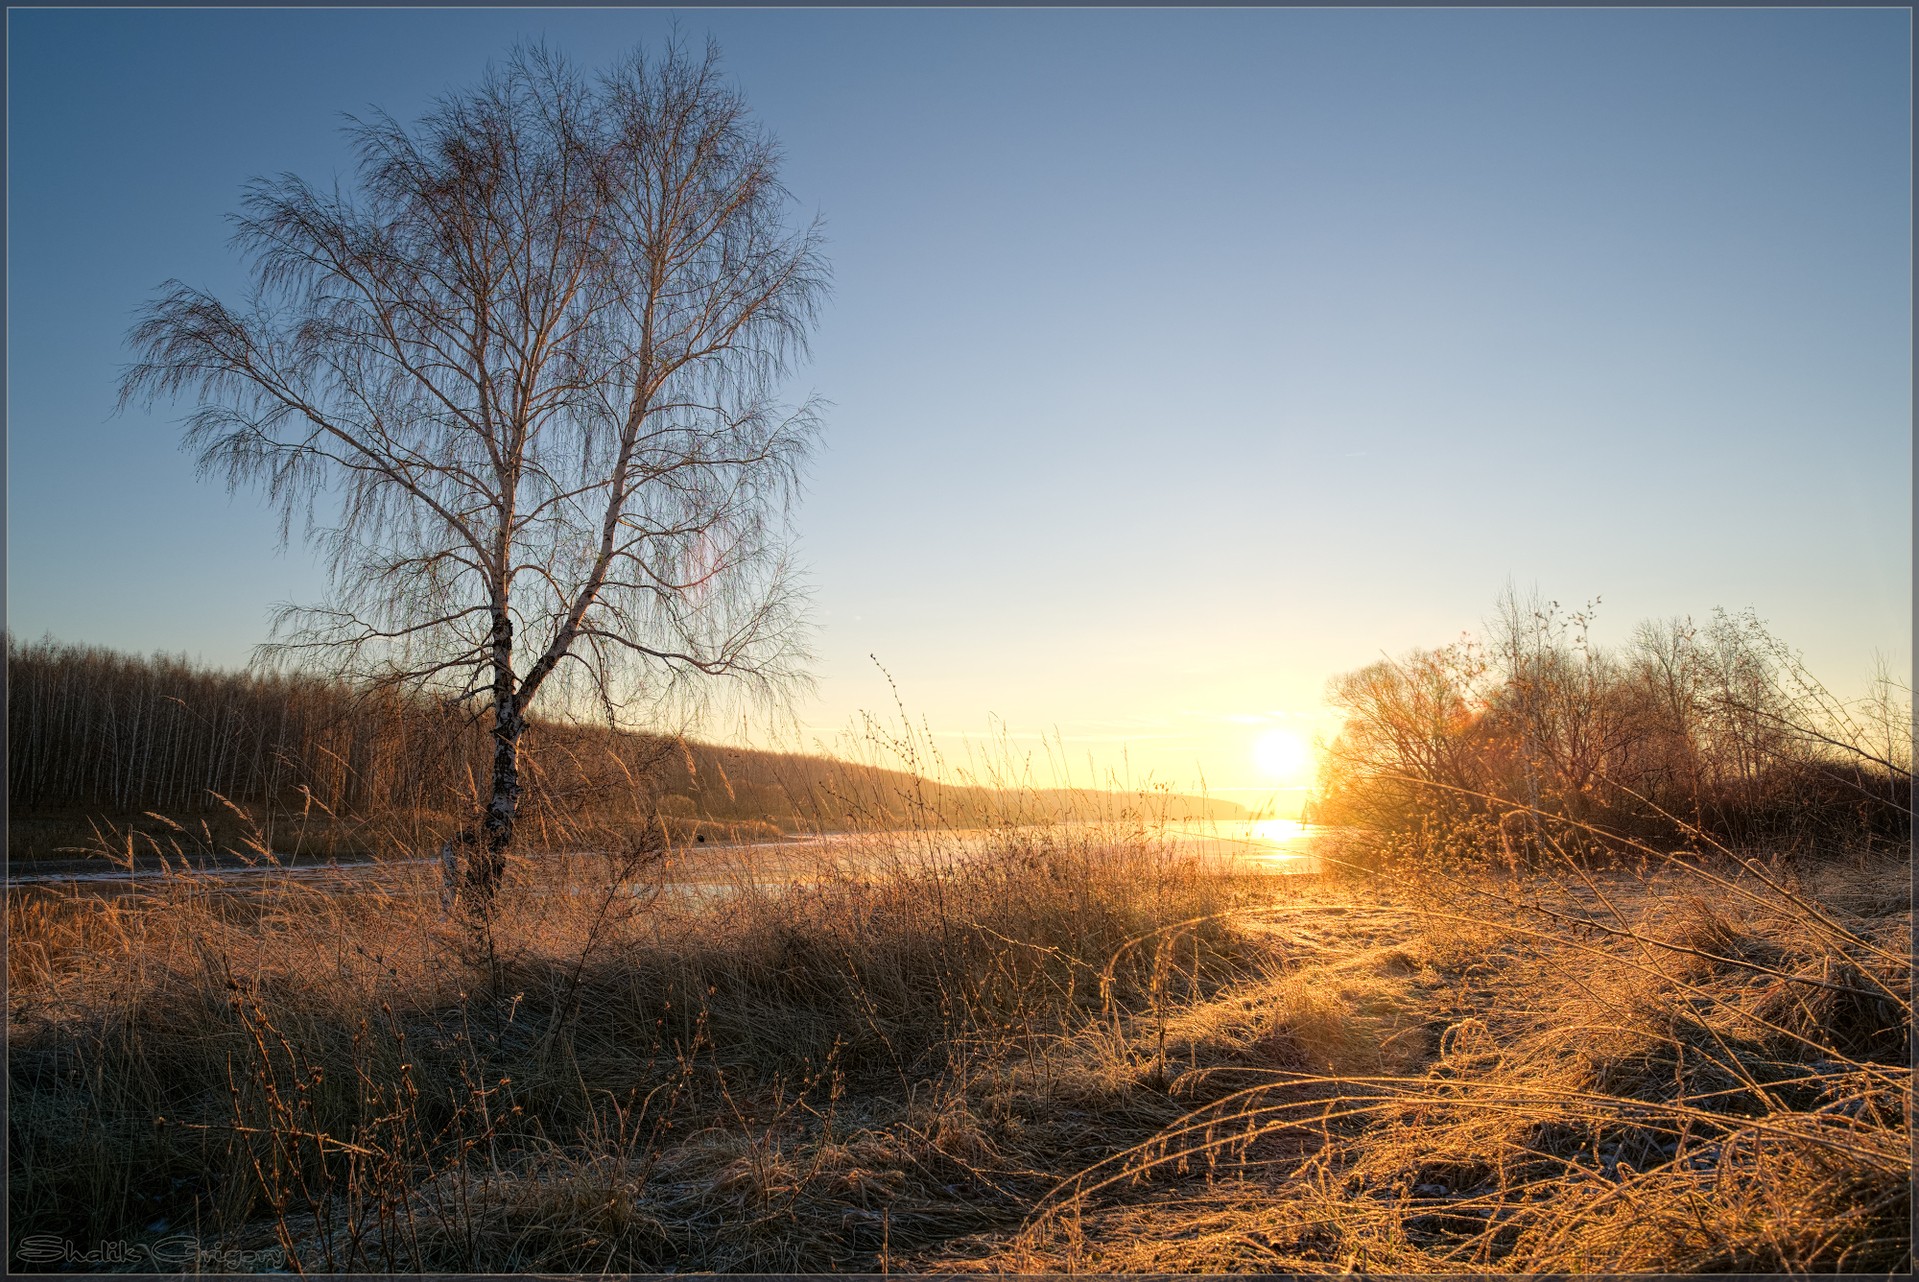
x: 614, y: 1074
x: 1069, y: 1048
x: 1705, y: 1069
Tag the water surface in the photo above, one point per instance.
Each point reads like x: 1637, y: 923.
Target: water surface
x: 1266, y: 845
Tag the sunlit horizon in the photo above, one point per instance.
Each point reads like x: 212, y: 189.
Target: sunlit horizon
x: 1176, y: 364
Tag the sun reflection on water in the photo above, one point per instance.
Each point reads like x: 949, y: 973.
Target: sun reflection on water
x: 1271, y: 845
x: 1277, y: 830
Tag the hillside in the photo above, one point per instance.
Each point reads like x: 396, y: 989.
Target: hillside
x: 101, y: 735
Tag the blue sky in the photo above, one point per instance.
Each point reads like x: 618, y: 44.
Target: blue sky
x: 1179, y: 360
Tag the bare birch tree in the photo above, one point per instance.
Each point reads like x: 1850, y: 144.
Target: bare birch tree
x: 519, y: 382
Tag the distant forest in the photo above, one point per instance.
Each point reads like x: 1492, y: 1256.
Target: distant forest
x: 95, y: 730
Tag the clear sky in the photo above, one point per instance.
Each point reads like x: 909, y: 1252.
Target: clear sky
x: 1179, y: 360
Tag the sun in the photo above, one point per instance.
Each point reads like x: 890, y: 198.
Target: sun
x: 1281, y: 755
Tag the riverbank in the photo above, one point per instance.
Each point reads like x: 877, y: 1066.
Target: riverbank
x: 54, y: 843
x: 1089, y: 1051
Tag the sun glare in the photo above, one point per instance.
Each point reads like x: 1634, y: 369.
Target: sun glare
x: 1281, y: 754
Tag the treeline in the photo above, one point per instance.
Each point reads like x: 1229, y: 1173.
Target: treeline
x: 1687, y: 732
x: 91, y: 729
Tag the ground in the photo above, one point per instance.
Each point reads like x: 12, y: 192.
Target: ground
x: 1079, y: 1055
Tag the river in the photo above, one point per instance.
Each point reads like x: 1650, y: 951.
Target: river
x: 1281, y: 846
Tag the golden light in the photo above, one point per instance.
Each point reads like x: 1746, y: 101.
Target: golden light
x: 1281, y: 755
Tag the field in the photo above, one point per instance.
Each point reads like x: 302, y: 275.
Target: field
x: 1608, y: 970
x: 1090, y: 1050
